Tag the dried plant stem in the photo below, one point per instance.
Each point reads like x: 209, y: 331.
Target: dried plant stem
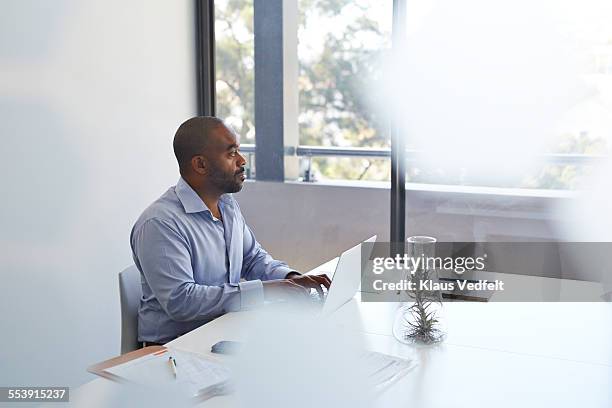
x: 420, y: 322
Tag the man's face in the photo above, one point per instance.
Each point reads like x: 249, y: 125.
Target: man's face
x: 225, y: 163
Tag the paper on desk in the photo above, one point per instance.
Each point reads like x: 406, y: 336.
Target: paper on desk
x: 383, y: 370
x: 195, y: 373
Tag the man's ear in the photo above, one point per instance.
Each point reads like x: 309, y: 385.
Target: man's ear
x: 199, y: 165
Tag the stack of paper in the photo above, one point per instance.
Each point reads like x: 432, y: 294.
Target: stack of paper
x: 196, y: 375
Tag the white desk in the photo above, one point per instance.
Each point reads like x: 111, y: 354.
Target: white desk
x: 496, y: 354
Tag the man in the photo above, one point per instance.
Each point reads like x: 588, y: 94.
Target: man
x: 197, y: 257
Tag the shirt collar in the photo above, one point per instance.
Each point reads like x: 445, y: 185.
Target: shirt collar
x: 192, y: 203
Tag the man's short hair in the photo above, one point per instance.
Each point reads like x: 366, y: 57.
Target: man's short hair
x: 192, y: 137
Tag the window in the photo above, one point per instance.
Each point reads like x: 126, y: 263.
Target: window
x: 337, y: 67
x: 502, y: 95
x: 505, y: 94
x: 234, y: 59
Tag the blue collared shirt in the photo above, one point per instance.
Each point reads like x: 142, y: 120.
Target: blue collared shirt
x: 191, y: 263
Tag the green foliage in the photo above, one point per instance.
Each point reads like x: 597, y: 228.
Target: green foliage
x: 234, y: 63
x: 334, y: 108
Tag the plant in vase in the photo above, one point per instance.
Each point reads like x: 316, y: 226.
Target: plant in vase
x: 419, y: 321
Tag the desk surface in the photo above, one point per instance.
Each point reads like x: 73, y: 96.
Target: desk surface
x: 496, y: 354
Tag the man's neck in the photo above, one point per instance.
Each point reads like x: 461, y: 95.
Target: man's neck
x: 212, y: 203
x: 211, y: 199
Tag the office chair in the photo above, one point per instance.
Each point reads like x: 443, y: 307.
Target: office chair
x: 130, y: 292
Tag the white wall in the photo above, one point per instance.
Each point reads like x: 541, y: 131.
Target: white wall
x: 91, y: 93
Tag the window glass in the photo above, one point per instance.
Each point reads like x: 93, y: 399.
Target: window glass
x: 488, y: 91
x: 340, y: 49
x: 234, y: 64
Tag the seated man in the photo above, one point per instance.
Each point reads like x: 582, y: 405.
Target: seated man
x: 193, y: 247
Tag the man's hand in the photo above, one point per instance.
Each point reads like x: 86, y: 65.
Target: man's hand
x: 295, y: 286
x: 312, y: 282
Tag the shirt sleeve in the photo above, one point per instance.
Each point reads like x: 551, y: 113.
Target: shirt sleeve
x: 164, y: 257
x: 257, y: 263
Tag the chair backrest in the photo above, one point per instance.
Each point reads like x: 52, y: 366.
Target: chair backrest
x: 130, y: 292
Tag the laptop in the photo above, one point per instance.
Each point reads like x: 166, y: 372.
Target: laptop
x: 347, y: 277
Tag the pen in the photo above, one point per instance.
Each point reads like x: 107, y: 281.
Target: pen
x: 172, y: 363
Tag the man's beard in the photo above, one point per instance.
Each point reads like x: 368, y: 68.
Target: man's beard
x: 227, y: 183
